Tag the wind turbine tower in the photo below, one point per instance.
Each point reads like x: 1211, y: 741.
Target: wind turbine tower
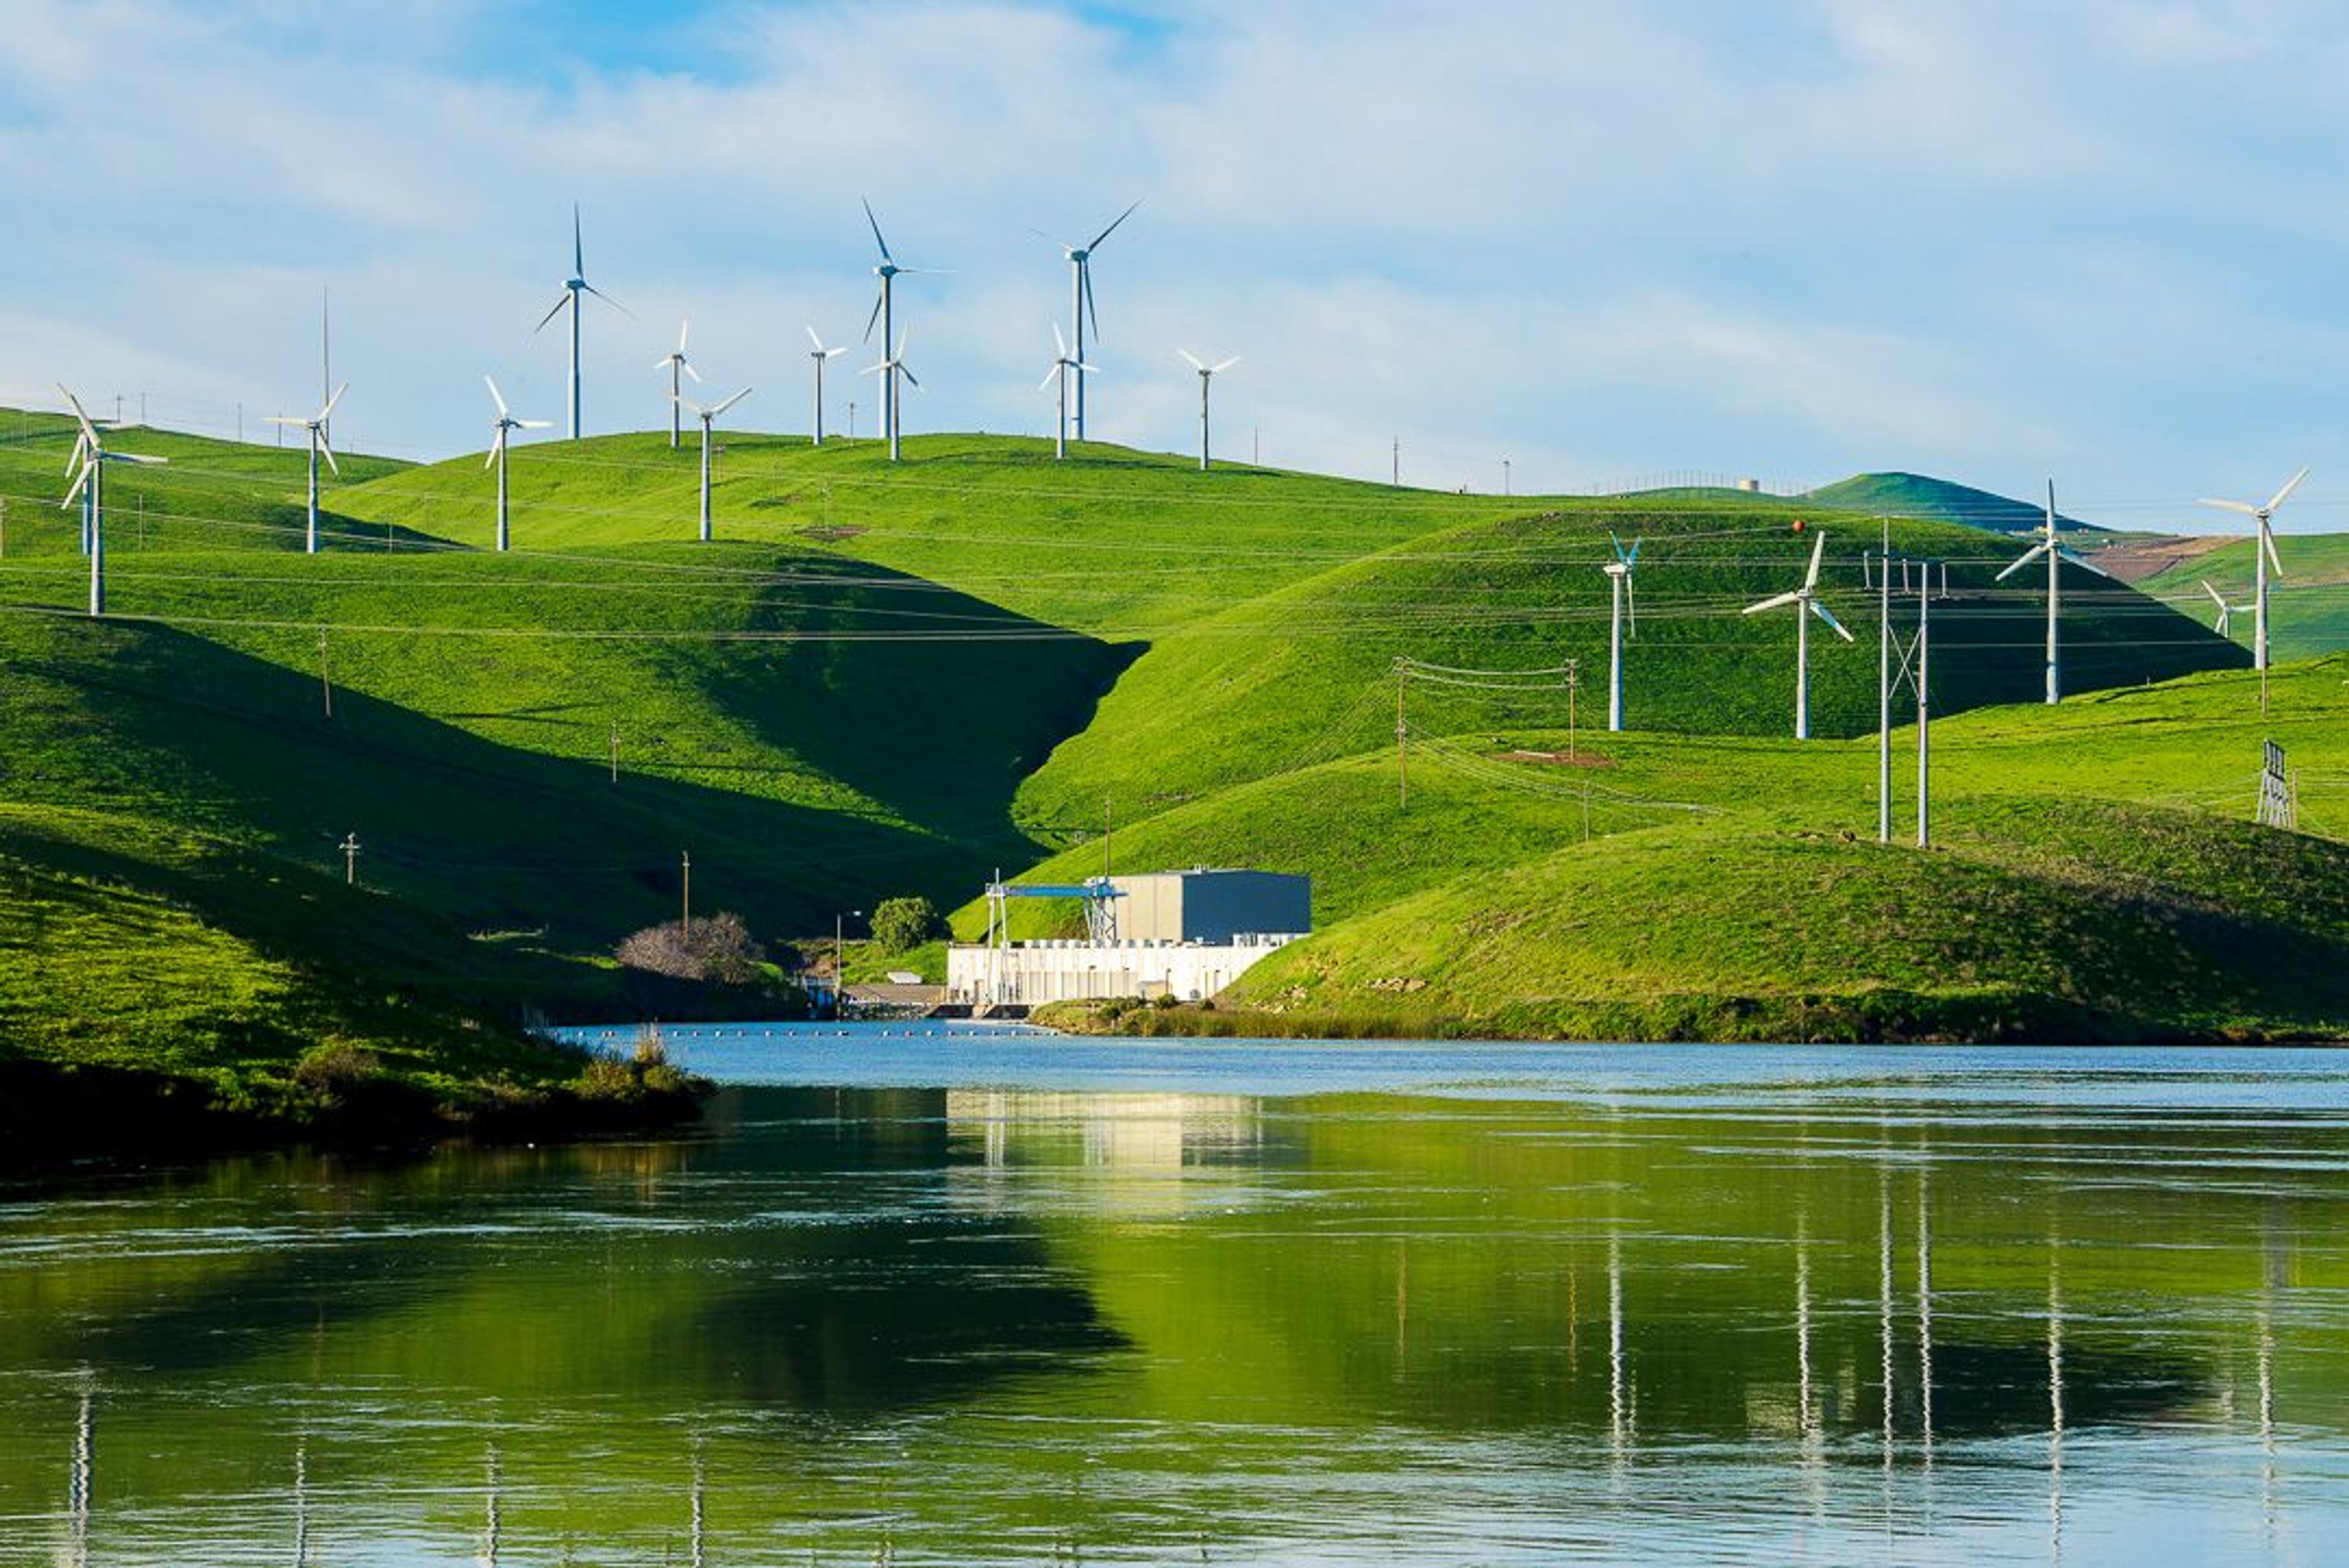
x: 316, y: 428
x: 1064, y: 366
x: 1081, y: 301
x: 884, y: 310
x: 2263, y: 556
x: 571, y: 291
x: 89, y: 451
x: 2057, y: 552
x: 1207, y: 373
x: 708, y: 416
x: 1806, y: 604
x: 1618, y: 577
x: 675, y: 363
x: 2226, y: 611
x: 497, y: 458
x: 892, y: 369
x: 819, y: 354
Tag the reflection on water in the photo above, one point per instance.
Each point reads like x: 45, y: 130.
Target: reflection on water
x: 978, y: 1299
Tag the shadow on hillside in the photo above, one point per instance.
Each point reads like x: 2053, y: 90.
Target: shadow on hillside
x: 158, y: 722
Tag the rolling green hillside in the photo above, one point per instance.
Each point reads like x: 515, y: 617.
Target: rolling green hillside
x: 1938, y: 500
x: 2310, y: 604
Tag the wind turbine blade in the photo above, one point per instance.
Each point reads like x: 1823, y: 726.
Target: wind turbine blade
x: 1060, y: 344
x: 690, y: 371
x: 1085, y: 279
x: 2023, y: 560
x: 814, y: 339
x: 1091, y: 369
x: 1105, y: 233
x: 80, y: 480
x: 534, y: 424
x: 1616, y: 542
x: 1774, y: 603
x: 327, y: 452
x: 2290, y: 485
x: 2216, y: 597
x: 607, y: 299
x: 730, y: 402
x: 2267, y: 540
x: 1822, y: 613
x: 2246, y: 508
x: 684, y: 326
x: 689, y: 403
x: 874, y: 320
x: 876, y: 232
x: 282, y: 420
x: 325, y: 413
x: 1633, y: 559
x: 1227, y: 365
x: 1048, y: 238
x: 578, y: 247
x: 131, y: 457
x: 1059, y: 365
x: 1818, y: 548
x: 833, y: 353
x: 911, y: 380
x: 497, y: 445
x: 553, y: 312
x: 1630, y: 606
x: 1191, y: 359
x: 666, y: 360
x: 89, y: 432
x: 2083, y: 563
x: 874, y: 369
x: 497, y: 397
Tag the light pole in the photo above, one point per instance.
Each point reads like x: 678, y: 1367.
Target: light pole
x: 839, y: 946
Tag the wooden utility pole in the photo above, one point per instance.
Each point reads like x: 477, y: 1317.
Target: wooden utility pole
x: 325, y: 684
x: 615, y: 751
x: 1403, y: 759
x: 685, y: 914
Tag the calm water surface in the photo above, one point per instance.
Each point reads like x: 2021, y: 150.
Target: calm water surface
x: 977, y: 1297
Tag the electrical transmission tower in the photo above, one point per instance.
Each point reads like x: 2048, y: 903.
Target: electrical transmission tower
x: 2279, y: 801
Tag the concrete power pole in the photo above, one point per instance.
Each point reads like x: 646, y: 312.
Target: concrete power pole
x: 350, y: 848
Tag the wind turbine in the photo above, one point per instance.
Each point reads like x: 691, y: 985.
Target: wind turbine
x: 497, y: 458
x: 819, y: 354
x: 892, y: 366
x: 90, y: 451
x: 2057, y: 553
x: 1806, y: 604
x: 707, y: 416
x: 577, y: 285
x: 1064, y: 363
x: 1619, y: 583
x: 1207, y: 373
x: 2226, y: 611
x: 884, y: 310
x: 317, y: 431
x: 2263, y: 555
x: 1081, y: 300
x: 674, y: 363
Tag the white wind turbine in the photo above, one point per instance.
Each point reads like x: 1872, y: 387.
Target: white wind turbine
x: 892, y: 368
x: 884, y: 310
x: 1806, y: 604
x: 2263, y: 555
x: 675, y: 363
x: 2226, y: 612
x: 2057, y: 553
x: 497, y: 458
x: 577, y: 285
x: 1207, y: 373
x: 707, y: 416
x: 317, y: 431
x: 1619, y: 581
x: 1081, y: 301
x: 819, y: 354
x: 1064, y: 366
x: 90, y: 454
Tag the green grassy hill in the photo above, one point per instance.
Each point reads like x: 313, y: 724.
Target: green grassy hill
x: 1939, y: 500
x: 2310, y: 605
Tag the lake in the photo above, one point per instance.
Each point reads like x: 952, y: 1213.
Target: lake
x: 921, y: 1294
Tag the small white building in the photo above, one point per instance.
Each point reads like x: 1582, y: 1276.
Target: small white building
x: 1185, y: 934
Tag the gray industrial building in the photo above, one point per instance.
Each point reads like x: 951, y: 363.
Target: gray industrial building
x: 1212, y: 907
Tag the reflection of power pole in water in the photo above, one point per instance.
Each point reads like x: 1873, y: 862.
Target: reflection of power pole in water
x: 2055, y: 1399
x: 301, y: 1501
x: 490, y: 1520
x: 78, y: 1484
x: 1619, y: 1407
x: 1884, y: 1306
x: 1810, y: 1434
x: 694, y: 1552
x: 1925, y: 1309
x: 2273, y: 1277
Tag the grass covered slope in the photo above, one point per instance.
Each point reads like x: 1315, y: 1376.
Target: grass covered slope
x: 2030, y: 922
x: 1938, y: 500
x: 2308, y: 606
x: 1306, y: 672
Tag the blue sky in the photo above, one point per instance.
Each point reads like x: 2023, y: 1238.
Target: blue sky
x: 1992, y: 241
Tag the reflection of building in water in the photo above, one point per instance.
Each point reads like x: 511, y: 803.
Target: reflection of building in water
x: 1016, y: 1127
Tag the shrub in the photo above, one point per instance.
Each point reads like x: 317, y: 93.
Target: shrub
x: 902, y: 924
x: 332, y: 1071
x: 718, y: 948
